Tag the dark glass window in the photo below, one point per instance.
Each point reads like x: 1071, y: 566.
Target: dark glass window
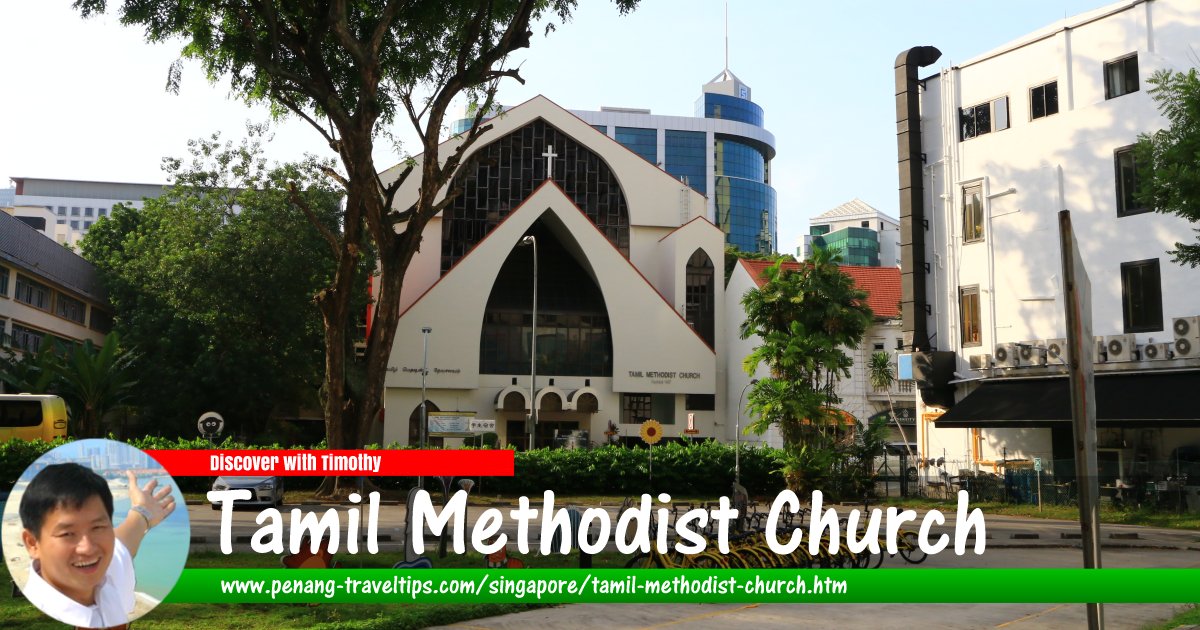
x: 635, y: 408
x: 1141, y: 296
x: 1127, y: 182
x: 643, y: 142
x: 1043, y: 100
x: 573, y: 333
x: 818, y: 230
x: 20, y: 413
x: 746, y: 213
x: 983, y: 118
x: 62, y: 211
x: 68, y: 307
x: 686, y: 152
x: 3, y: 281
x: 601, y: 128
x: 101, y: 321
x: 501, y: 175
x: 972, y: 206
x: 32, y: 293
x: 735, y: 159
x: 969, y: 319
x: 701, y: 291
x: 1121, y: 77
x: 700, y: 402
x: 727, y: 107
x: 26, y: 339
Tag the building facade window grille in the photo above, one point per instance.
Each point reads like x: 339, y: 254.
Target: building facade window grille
x: 1121, y: 76
x: 1141, y: 296
x: 972, y: 213
x: 1127, y: 182
x: 969, y: 316
x: 32, y: 293
x: 983, y: 118
x: 69, y: 308
x: 1043, y: 100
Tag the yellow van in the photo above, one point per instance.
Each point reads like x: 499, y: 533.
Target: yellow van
x: 32, y: 417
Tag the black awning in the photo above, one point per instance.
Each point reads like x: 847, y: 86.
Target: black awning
x: 1166, y: 399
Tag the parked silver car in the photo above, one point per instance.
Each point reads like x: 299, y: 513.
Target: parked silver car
x: 263, y: 490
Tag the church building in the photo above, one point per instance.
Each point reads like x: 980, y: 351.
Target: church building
x: 628, y: 271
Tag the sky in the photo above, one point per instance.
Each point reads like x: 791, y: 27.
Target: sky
x: 85, y: 99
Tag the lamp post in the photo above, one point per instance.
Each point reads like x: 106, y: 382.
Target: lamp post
x: 737, y: 437
x: 532, y: 240
x: 425, y: 330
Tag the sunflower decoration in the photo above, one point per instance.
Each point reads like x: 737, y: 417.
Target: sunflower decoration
x: 651, y: 432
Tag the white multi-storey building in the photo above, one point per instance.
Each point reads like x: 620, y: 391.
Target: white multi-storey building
x: 991, y: 149
x: 64, y: 210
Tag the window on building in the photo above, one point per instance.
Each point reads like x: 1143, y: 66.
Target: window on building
x: 32, y: 293
x: 103, y: 212
x: 4, y: 281
x: 62, y: 211
x: 1043, y: 100
x: 1141, y: 296
x: 87, y: 212
x: 877, y: 346
x: 866, y: 224
x: 1127, y: 182
x: 700, y: 295
x: 61, y: 222
x: 983, y: 118
x: 643, y: 142
x: 26, y: 339
x: 101, y: 321
x: 972, y: 210
x: 969, y: 322
x: 700, y: 402
x: 635, y: 408
x: 74, y: 225
x: 1121, y: 76
x: 74, y: 211
x: 818, y: 230
x: 68, y: 307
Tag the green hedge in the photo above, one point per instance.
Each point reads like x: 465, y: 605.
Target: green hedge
x: 698, y: 469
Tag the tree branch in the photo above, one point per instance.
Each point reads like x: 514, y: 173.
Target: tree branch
x: 295, y: 197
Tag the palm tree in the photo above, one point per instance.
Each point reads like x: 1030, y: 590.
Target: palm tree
x: 882, y: 377
x: 94, y: 381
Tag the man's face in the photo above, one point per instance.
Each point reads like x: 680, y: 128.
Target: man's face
x: 75, y: 548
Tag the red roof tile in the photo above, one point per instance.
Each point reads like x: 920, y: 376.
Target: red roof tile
x: 882, y: 284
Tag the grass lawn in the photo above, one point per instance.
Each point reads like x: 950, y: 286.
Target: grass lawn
x: 17, y: 613
x: 1190, y: 615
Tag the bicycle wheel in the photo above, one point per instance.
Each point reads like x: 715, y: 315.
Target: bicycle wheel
x: 909, y: 549
x: 644, y: 561
x: 708, y: 560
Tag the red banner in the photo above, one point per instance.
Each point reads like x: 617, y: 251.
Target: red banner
x: 495, y: 463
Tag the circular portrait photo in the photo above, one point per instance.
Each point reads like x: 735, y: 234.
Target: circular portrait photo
x: 95, y: 533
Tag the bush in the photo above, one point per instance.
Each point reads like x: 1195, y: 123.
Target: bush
x: 692, y: 468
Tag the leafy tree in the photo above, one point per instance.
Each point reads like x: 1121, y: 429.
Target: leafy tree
x: 93, y: 381
x: 215, y: 280
x: 350, y: 70
x: 1168, y: 160
x: 732, y: 254
x: 804, y: 317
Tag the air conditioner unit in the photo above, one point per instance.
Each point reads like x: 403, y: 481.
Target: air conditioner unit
x: 1101, y: 354
x: 1187, y: 336
x: 1033, y: 353
x: 1120, y: 347
x: 1157, y: 351
x: 981, y: 361
x: 1056, y: 351
x: 1007, y: 355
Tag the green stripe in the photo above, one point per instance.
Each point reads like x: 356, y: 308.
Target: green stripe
x: 1050, y: 586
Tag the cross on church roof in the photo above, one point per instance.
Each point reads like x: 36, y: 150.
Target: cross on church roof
x: 550, y: 155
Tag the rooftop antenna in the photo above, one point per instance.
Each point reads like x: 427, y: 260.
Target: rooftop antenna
x: 726, y: 35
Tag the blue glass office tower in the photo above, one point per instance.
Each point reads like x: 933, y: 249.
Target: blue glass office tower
x: 724, y: 152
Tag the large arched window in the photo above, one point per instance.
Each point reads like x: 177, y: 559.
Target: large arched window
x: 573, y: 334
x: 501, y: 175
x: 700, y: 295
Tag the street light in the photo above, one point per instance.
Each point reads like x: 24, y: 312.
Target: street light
x: 532, y: 240
x: 425, y: 330
x: 737, y: 437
